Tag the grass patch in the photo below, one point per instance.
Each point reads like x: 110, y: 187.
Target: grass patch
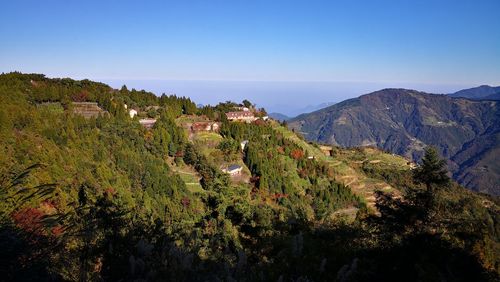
x: 56, y: 108
x: 190, y: 178
x: 207, y: 137
x: 189, y: 119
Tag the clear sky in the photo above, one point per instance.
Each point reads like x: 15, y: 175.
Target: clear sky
x: 440, y: 45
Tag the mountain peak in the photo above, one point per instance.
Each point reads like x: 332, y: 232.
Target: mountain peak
x: 478, y: 93
x: 396, y: 91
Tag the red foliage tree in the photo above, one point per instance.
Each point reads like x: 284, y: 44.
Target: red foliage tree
x: 296, y: 154
x: 29, y: 219
x: 57, y: 231
x: 80, y: 96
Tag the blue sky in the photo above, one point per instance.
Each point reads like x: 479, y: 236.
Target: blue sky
x: 177, y: 46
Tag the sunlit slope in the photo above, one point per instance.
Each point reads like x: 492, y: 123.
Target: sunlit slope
x: 348, y: 165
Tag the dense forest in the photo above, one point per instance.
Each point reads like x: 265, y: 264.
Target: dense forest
x: 103, y: 199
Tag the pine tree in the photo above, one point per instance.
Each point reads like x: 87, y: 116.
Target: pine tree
x: 432, y: 171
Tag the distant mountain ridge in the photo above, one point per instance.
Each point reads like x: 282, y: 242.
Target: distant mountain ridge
x: 279, y: 116
x: 485, y: 92
x: 402, y: 121
x: 312, y: 108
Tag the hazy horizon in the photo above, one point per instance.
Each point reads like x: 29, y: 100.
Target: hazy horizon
x: 285, y: 97
x: 290, y: 98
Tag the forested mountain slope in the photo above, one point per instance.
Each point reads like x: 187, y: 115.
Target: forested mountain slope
x: 106, y: 197
x: 404, y: 122
x: 483, y: 92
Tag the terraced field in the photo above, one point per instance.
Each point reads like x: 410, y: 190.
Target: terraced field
x: 347, y: 166
x: 191, y: 179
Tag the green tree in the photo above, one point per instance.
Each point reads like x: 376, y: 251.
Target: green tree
x: 247, y: 103
x: 152, y: 113
x: 230, y: 148
x: 190, y: 156
x: 432, y: 171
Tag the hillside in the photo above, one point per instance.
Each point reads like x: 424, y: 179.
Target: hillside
x: 404, y: 121
x: 349, y: 166
x: 483, y: 92
x: 88, y: 192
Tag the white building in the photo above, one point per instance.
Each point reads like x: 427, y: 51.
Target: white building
x: 243, y: 144
x: 132, y: 113
x: 241, y: 116
x: 233, y: 169
x: 147, y: 122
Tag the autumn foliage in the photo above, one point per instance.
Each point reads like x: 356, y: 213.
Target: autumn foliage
x: 296, y: 154
x: 29, y: 219
x: 81, y: 96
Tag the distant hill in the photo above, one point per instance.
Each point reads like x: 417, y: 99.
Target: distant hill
x: 312, y: 108
x: 404, y: 121
x: 279, y: 117
x: 307, y: 109
x: 478, y: 93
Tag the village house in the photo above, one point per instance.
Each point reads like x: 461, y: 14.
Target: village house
x: 205, y: 126
x: 132, y: 113
x: 241, y: 116
x: 233, y: 169
x: 243, y: 109
x: 243, y: 144
x: 327, y: 150
x: 147, y: 122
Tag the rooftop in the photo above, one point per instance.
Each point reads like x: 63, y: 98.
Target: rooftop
x: 233, y: 167
x: 238, y: 114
